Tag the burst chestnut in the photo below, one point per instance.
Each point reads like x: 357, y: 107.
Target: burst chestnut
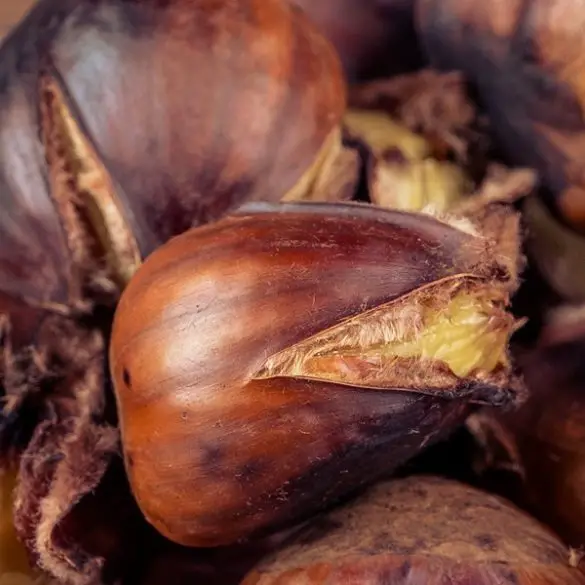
x: 272, y: 362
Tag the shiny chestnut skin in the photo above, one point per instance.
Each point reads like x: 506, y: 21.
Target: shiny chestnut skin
x: 185, y: 103
x: 124, y: 122
x: 524, y: 59
x: 215, y: 450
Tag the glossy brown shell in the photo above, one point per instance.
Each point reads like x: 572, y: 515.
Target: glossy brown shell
x: 193, y: 106
x: 524, y: 59
x: 421, y: 531
x: 215, y: 454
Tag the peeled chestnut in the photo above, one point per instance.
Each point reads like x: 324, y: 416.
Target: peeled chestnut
x: 524, y: 59
x: 422, y: 531
x: 272, y: 362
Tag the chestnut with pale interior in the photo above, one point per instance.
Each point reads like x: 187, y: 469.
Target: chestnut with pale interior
x: 438, y: 335
x: 269, y: 364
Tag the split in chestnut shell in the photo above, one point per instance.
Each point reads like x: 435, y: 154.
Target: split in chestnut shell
x: 268, y: 364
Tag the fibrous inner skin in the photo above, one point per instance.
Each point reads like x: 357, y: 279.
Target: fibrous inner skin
x: 430, y: 339
x: 84, y: 193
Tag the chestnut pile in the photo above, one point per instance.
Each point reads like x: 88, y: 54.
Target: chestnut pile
x: 292, y: 293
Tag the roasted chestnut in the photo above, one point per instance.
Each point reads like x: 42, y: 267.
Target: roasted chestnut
x: 153, y: 118
x: 422, y: 530
x: 523, y: 58
x: 272, y: 362
x: 123, y: 124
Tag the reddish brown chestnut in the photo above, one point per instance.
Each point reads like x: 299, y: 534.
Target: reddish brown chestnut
x: 153, y: 117
x: 124, y: 123
x: 422, y: 531
x: 274, y: 361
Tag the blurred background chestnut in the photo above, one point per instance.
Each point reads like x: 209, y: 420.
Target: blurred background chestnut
x: 525, y: 60
x: 543, y: 442
x: 374, y: 38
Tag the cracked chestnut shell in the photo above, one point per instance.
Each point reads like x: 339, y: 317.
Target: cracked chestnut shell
x: 270, y: 363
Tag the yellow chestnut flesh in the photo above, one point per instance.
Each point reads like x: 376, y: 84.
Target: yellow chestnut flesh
x: 268, y: 364
x: 402, y: 173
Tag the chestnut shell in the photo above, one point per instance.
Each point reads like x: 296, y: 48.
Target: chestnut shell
x: 185, y: 102
x: 215, y: 454
x: 421, y: 530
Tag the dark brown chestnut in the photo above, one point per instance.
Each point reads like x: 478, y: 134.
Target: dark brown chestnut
x: 422, y: 530
x: 124, y: 123
x: 272, y: 362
